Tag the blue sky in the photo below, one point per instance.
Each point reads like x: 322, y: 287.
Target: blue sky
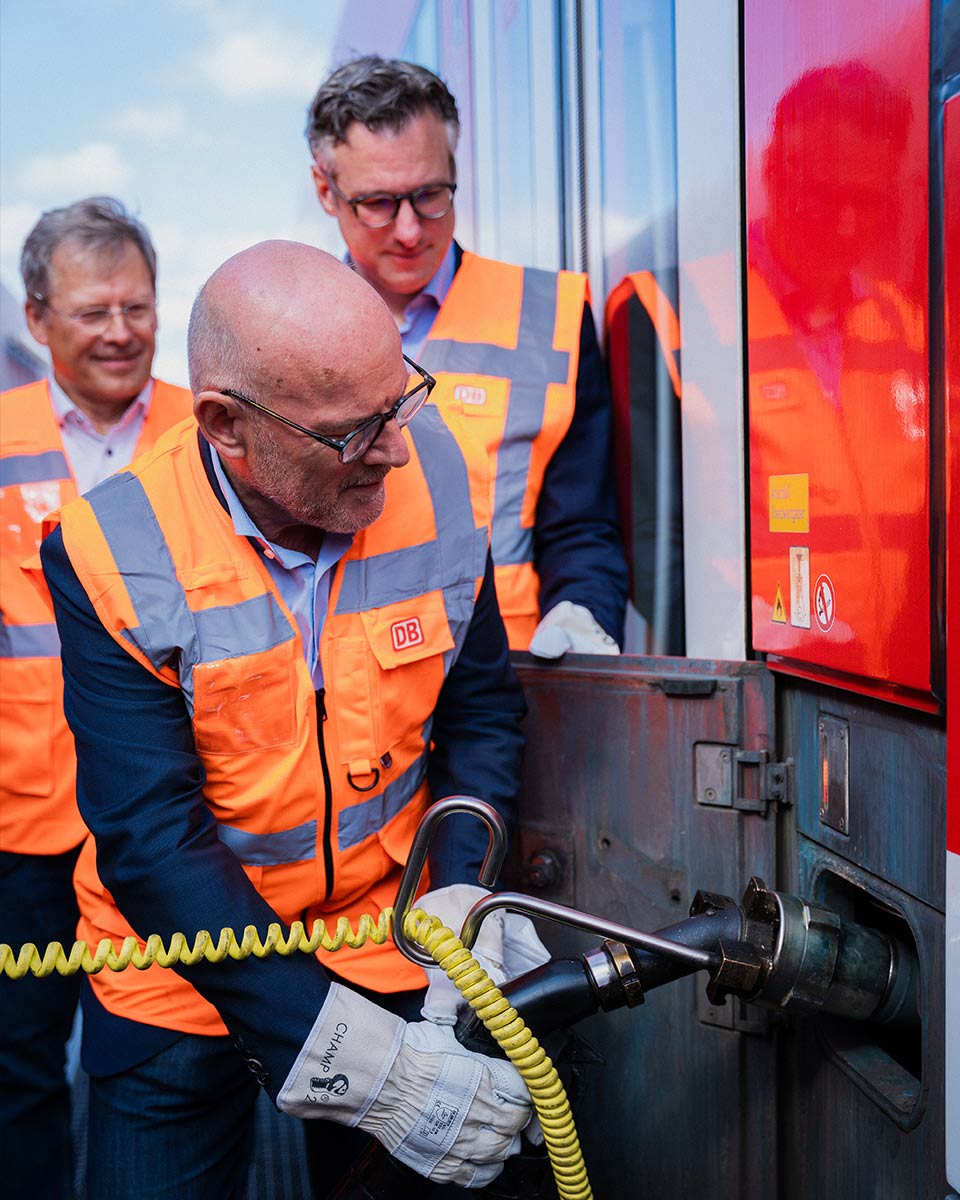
x: 189, y: 111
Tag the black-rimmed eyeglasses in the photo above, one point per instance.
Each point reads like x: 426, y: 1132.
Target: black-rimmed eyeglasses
x: 358, y: 441
x: 376, y: 210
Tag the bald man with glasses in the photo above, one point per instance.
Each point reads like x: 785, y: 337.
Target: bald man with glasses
x: 89, y: 271
x: 270, y: 677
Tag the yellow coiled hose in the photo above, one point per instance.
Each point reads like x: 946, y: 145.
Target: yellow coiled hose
x: 478, y: 989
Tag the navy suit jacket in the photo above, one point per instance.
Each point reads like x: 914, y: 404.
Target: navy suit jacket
x: 140, y: 791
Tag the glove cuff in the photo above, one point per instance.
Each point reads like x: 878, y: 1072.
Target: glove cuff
x: 345, y: 1060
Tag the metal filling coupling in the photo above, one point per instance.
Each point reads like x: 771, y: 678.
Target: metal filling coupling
x: 614, y: 974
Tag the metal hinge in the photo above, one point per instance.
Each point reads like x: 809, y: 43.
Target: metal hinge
x: 744, y: 780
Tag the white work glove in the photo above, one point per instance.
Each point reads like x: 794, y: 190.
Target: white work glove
x: 570, y: 627
x: 452, y: 1115
x: 508, y: 946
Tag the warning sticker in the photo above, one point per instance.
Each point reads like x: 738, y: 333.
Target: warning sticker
x: 779, y: 613
x: 789, y: 503
x: 800, y: 586
x: 824, y: 602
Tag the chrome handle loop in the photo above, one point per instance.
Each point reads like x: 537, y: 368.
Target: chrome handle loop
x: 417, y: 858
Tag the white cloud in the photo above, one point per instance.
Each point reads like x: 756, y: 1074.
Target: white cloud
x: 95, y: 167
x: 162, y: 120
x: 264, y: 59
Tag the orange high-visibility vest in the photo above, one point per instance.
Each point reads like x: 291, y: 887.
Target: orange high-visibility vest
x: 38, y: 812
x: 401, y: 601
x: 505, y: 349
x: 637, y: 304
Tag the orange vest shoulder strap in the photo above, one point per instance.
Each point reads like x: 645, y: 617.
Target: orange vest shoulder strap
x: 28, y: 418
x: 169, y: 406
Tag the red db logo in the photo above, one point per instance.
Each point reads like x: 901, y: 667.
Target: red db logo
x: 406, y: 633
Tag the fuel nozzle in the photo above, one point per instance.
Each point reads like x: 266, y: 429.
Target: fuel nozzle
x: 771, y: 948
x: 795, y: 955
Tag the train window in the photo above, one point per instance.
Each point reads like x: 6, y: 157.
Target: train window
x: 517, y: 132
x: 439, y: 38
x: 501, y: 63
x: 638, y: 126
x: 423, y: 40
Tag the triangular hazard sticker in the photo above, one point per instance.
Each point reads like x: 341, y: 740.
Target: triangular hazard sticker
x: 779, y: 613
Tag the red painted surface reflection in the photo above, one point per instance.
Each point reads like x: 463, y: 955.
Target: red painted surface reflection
x: 837, y: 325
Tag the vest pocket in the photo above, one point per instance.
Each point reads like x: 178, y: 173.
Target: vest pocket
x: 246, y: 704
x: 409, y: 631
x: 31, y: 699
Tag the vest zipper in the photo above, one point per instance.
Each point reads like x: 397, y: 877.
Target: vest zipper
x: 328, y: 795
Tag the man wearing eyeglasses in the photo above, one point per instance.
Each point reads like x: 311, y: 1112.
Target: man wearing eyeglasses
x: 89, y: 271
x: 514, y: 350
x: 270, y: 675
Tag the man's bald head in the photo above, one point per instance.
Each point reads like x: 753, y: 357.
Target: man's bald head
x: 272, y: 303
x: 288, y: 349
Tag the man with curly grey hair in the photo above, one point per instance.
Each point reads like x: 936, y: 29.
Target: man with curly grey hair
x: 513, y: 349
x: 89, y: 270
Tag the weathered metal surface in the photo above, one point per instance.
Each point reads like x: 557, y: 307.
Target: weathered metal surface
x: 897, y: 781
x: 610, y: 790
x: 861, y: 1111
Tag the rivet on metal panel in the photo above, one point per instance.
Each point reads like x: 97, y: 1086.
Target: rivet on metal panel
x: 542, y: 869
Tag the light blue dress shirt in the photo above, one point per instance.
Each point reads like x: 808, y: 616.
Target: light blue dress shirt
x: 303, y: 583
x: 93, y: 456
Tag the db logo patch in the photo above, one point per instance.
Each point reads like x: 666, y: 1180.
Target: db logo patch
x: 407, y: 633
x: 470, y: 395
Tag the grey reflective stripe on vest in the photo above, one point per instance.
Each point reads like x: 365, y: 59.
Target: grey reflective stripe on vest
x: 271, y: 849
x: 33, y: 468
x: 166, y: 629
x: 361, y: 820
x: 451, y: 563
x: 356, y: 823
x: 463, y: 547
x: 531, y: 367
x: 28, y: 641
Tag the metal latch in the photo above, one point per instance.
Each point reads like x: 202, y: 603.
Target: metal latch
x: 745, y: 780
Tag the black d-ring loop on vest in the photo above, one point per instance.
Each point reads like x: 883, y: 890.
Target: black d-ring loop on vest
x: 356, y: 786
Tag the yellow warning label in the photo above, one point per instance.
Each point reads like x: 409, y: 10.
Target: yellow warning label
x: 789, y: 503
x: 779, y: 613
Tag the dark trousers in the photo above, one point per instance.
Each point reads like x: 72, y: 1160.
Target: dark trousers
x: 176, y: 1127
x: 37, y: 904
x: 180, y: 1126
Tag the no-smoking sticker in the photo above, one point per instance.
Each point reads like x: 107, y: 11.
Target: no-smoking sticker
x: 824, y: 602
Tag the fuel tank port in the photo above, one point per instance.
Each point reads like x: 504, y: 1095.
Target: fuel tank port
x: 812, y: 960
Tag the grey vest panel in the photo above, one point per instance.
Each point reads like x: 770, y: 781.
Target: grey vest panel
x: 29, y: 641
x: 531, y: 368
x: 33, y: 468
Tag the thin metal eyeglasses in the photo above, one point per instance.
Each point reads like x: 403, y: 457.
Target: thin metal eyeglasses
x: 358, y: 441
x: 376, y: 210
x: 138, y: 314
